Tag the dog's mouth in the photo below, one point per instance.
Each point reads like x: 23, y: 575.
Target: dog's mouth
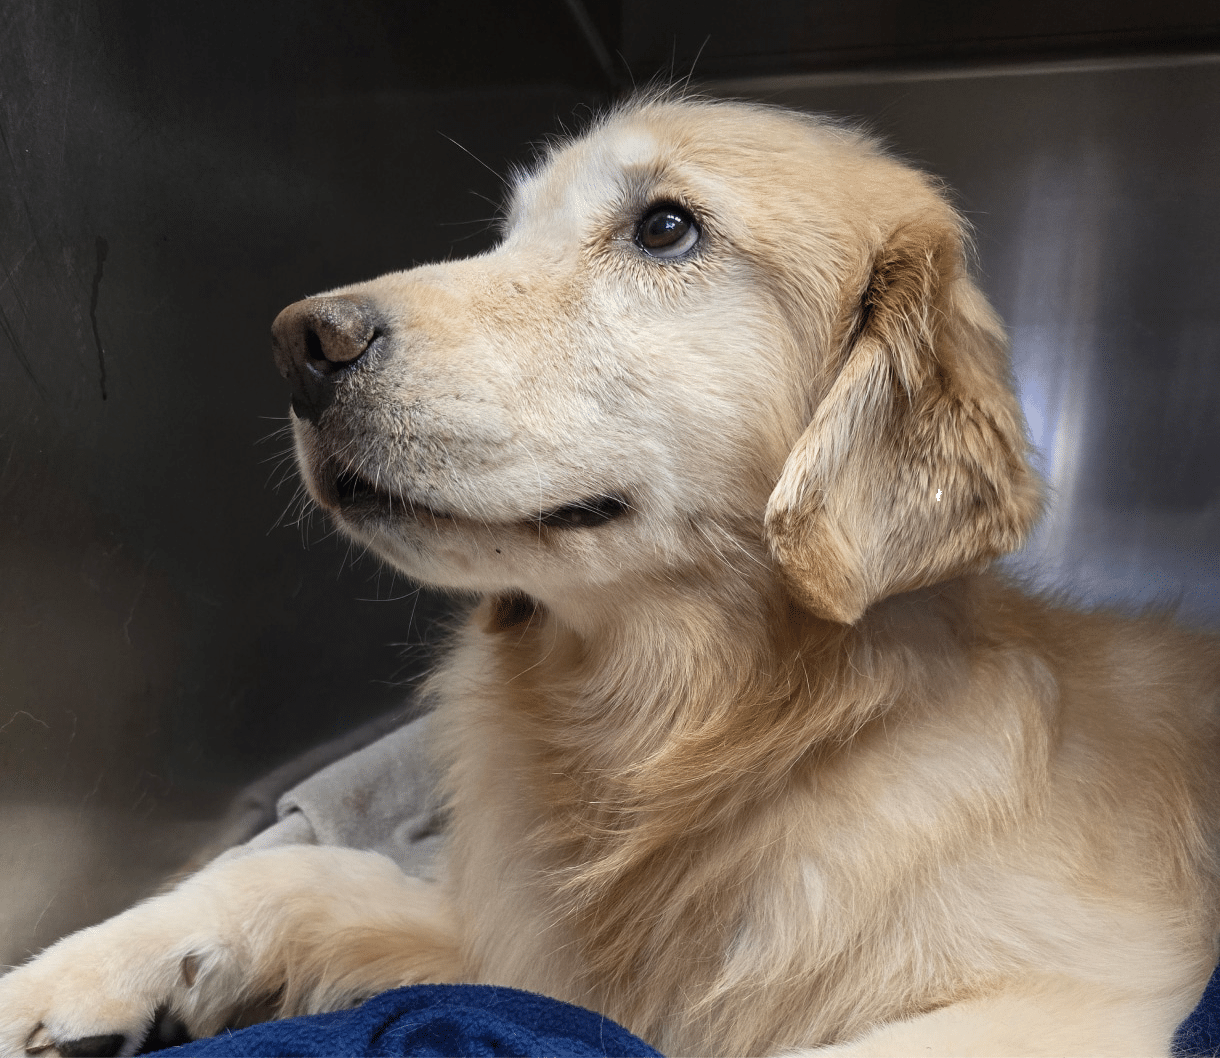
x: 356, y: 496
x: 586, y: 513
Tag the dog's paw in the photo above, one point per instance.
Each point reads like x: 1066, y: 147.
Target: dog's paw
x: 244, y: 940
x: 46, y: 1012
x: 164, y: 1031
x: 107, y: 992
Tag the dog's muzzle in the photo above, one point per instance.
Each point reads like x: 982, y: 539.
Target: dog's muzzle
x: 316, y: 342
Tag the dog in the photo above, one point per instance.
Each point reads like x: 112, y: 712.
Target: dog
x: 746, y: 744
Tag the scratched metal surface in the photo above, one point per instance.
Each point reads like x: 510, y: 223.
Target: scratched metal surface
x: 164, y: 638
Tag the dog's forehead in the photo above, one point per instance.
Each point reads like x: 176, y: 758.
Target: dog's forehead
x: 718, y: 154
x: 626, y: 145
x: 600, y: 165
x: 584, y: 175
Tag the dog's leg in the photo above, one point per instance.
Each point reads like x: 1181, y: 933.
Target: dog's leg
x: 1040, y: 1021
x: 305, y: 928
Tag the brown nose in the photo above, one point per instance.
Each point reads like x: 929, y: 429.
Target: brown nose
x: 315, y: 341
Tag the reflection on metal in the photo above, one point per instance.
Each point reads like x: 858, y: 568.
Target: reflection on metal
x: 1056, y: 385
x: 1094, y: 190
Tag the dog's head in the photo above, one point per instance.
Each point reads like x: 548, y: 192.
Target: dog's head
x: 709, y: 328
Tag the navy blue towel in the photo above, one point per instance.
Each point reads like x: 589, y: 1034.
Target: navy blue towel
x: 479, y: 1020
x: 433, y: 1020
x: 1199, y: 1035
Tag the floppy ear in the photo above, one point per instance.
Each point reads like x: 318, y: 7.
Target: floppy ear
x: 915, y: 466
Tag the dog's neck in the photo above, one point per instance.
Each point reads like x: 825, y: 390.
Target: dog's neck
x: 694, y: 713
x: 641, y: 711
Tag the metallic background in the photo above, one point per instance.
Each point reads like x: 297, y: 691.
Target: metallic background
x: 170, y: 178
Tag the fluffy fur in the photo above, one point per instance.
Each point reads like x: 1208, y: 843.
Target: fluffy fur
x: 762, y: 758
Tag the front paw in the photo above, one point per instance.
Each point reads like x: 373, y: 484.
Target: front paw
x: 103, y: 992
x: 166, y: 1031
x: 66, y: 1016
x: 42, y: 1042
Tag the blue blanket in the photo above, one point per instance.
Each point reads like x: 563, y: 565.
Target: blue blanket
x: 1199, y: 1035
x: 479, y: 1020
x: 474, y: 1020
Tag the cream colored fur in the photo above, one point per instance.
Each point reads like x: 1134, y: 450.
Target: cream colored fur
x: 770, y: 762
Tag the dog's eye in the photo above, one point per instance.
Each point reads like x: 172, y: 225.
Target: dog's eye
x: 666, y: 231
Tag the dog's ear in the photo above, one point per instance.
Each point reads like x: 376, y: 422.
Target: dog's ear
x: 915, y: 465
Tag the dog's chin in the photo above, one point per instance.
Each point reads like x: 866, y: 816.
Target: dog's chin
x: 361, y: 503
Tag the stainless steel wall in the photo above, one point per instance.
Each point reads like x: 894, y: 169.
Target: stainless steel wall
x: 165, y: 638
x: 1094, y: 191
x: 168, y: 632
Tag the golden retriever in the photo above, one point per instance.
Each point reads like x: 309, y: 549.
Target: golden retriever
x: 745, y: 745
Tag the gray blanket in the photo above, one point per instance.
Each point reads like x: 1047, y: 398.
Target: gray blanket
x: 380, y: 797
